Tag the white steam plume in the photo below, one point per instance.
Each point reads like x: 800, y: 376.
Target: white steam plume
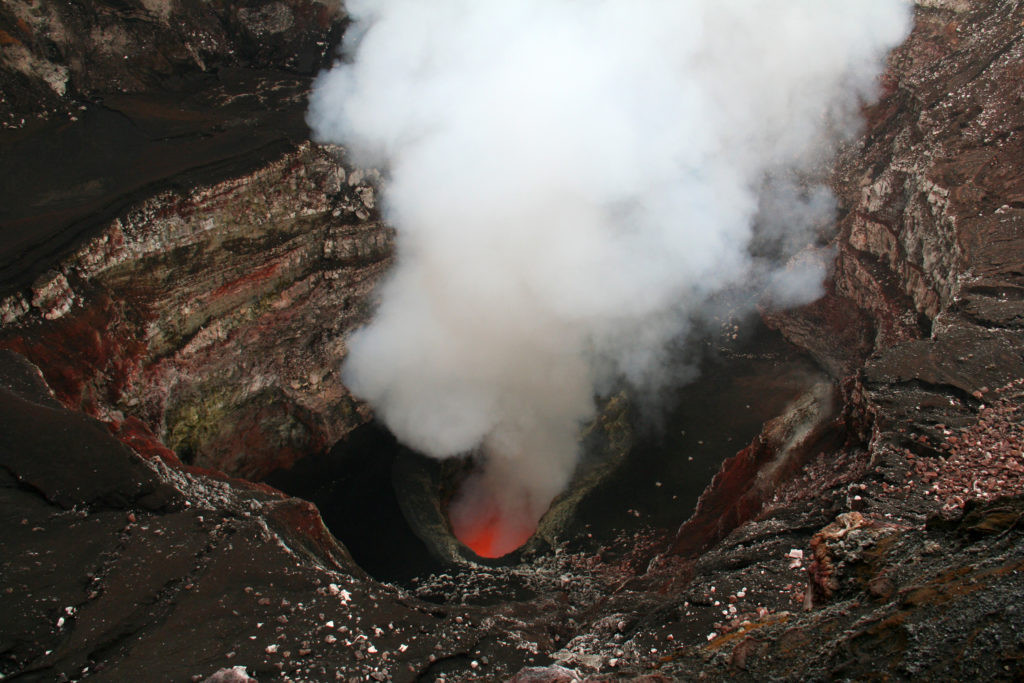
x: 568, y: 178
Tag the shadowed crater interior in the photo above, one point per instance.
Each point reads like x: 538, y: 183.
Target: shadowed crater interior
x: 388, y: 504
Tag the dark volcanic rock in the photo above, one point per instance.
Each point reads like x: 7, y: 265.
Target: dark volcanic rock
x: 143, y: 572
x: 167, y: 229
x: 216, y: 316
x: 68, y: 458
x: 105, y: 103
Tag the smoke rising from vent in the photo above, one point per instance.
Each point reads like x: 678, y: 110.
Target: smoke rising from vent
x: 569, y: 180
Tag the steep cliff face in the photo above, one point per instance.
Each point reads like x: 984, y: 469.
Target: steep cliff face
x: 174, y: 251
x: 217, y: 316
x: 922, y: 312
x: 932, y: 240
x: 920, y: 318
x: 914, y: 517
x: 106, y: 104
x: 932, y: 192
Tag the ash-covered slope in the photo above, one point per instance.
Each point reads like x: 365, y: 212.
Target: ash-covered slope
x: 105, y: 103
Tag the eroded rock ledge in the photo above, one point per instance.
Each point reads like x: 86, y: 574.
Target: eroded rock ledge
x: 217, y: 317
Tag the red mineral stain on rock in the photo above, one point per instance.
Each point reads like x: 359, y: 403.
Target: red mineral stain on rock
x: 247, y: 281
x: 88, y: 358
x: 136, y: 435
x: 303, y: 518
x: 745, y: 482
x: 7, y: 39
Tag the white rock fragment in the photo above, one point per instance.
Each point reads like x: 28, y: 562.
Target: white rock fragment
x: 237, y: 674
x: 52, y: 295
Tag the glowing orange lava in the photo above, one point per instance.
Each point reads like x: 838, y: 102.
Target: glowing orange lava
x: 489, y: 535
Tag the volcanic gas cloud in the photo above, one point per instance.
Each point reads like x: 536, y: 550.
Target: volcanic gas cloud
x: 570, y: 180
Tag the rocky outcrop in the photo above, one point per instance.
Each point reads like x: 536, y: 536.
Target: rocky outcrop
x: 920, y: 318
x: 217, y: 316
x: 166, y: 230
x: 120, y: 569
x: 931, y: 193
x: 106, y: 104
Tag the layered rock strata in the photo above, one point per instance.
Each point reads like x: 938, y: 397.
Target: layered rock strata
x: 217, y: 317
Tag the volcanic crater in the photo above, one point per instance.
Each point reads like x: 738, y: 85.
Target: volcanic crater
x: 190, y: 492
